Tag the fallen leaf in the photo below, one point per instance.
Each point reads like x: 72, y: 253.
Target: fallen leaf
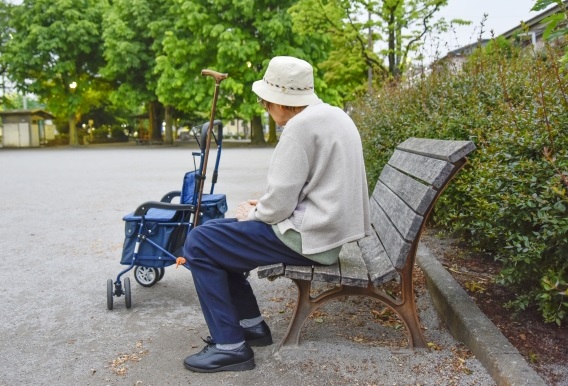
x: 434, y: 346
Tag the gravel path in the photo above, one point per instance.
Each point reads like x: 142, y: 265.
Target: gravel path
x: 61, y: 239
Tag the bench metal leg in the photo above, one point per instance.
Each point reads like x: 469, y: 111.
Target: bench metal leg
x: 407, y: 307
x: 306, y: 305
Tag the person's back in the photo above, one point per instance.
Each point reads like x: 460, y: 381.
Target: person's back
x: 321, y: 146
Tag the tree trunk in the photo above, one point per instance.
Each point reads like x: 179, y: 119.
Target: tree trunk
x: 169, y: 122
x: 257, y: 134
x: 392, y: 44
x: 398, y: 48
x: 271, y: 130
x: 370, y: 48
x: 151, y: 120
x: 155, y: 121
x: 73, y: 135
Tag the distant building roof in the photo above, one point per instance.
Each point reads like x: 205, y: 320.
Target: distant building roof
x: 466, y: 50
x: 533, y: 24
x: 37, y: 112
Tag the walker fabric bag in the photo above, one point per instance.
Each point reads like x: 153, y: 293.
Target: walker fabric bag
x: 212, y: 206
x: 158, y: 227
x: 167, y: 229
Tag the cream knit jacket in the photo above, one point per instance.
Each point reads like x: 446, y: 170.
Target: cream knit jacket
x: 316, y: 181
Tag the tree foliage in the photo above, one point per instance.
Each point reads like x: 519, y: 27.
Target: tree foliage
x: 238, y: 38
x: 132, y: 41
x: 55, y: 44
x: 404, y: 23
x: 5, y: 34
x: 151, y: 52
x: 370, y: 40
x: 345, y: 68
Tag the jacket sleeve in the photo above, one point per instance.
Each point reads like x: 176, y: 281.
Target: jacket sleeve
x: 287, y: 174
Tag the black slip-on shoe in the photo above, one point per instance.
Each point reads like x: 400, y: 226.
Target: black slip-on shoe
x: 212, y: 360
x: 259, y: 335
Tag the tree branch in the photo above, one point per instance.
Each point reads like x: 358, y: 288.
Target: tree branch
x: 368, y: 59
x: 419, y: 37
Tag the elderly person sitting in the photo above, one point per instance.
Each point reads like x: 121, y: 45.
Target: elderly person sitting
x: 316, y: 201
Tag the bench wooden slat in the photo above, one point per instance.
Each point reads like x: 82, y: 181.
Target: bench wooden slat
x: 272, y: 270
x: 417, y: 195
x: 376, y: 259
x: 300, y: 272
x: 450, y: 151
x: 396, y: 247
x: 430, y: 170
x: 406, y: 220
x: 327, y: 273
x: 353, y: 269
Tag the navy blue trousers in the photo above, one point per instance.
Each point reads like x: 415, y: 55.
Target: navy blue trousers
x: 218, y: 253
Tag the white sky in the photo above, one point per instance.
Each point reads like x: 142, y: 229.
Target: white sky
x: 503, y: 15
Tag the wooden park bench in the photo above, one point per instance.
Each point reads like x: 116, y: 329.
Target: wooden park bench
x: 403, y: 198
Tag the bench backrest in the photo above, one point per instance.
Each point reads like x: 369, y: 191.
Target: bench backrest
x: 403, y: 198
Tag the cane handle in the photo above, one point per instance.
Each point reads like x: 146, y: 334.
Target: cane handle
x: 217, y: 75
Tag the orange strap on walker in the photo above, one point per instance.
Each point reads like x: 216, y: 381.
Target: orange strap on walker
x: 180, y: 261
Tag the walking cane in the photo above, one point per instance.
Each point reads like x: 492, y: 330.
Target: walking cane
x: 218, y: 78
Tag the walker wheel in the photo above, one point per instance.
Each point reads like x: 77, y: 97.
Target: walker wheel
x: 146, y: 276
x: 127, y: 293
x: 109, y: 293
x: 161, y: 274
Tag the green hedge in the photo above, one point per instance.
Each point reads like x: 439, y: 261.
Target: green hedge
x: 511, y: 199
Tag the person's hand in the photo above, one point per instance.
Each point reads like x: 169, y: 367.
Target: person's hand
x: 244, y: 208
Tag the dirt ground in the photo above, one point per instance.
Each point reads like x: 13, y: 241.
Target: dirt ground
x: 543, y: 345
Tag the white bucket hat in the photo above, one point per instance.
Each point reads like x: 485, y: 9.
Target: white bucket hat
x: 288, y: 81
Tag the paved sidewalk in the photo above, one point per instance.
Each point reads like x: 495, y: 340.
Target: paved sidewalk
x: 61, y: 239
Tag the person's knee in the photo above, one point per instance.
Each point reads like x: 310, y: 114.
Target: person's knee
x: 209, y: 223
x: 217, y: 221
x: 194, y: 243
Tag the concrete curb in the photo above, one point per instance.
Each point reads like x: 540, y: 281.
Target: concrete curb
x: 469, y: 325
